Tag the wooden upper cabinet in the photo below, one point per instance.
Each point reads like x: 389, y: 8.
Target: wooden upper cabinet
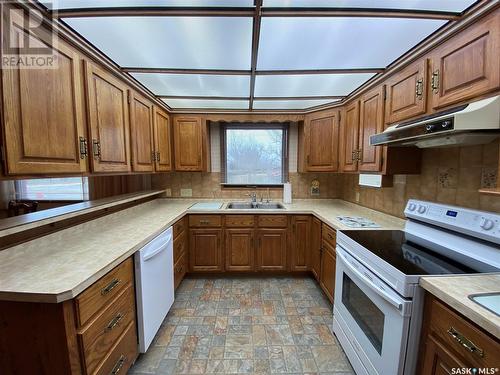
x: 108, y: 121
x: 43, y: 113
x: 467, y: 66
x: 141, y: 129
x: 163, y: 141
x: 371, y: 121
x: 190, y: 144
x: 320, y: 140
x: 349, y: 138
x: 406, y: 93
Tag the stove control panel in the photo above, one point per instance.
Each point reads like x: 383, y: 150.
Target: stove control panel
x: 480, y: 224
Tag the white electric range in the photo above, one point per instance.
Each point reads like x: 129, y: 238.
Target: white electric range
x: 378, y: 303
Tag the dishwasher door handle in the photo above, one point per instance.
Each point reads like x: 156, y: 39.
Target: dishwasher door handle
x: 155, y: 252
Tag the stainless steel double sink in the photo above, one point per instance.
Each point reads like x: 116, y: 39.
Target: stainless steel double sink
x: 255, y: 206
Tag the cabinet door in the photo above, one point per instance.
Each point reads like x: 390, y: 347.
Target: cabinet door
x: 141, y: 128
x: 188, y: 139
x: 371, y: 121
x: 406, y: 93
x: 240, y: 254
x: 327, y: 279
x: 163, y: 141
x: 108, y: 121
x: 467, y: 66
x: 43, y: 113
x: 205, y: 250
x: 438, y: 360
x: 300, y: 244
x: 271, y: 249
x: 316, y: 247
x: 349, y: 138
x: 322, y: 142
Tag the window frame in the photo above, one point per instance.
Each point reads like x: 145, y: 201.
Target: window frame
x: 285, y: 127
x: 21, y: 193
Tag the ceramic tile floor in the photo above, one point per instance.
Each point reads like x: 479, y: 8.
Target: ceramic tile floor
x: 246, y: 325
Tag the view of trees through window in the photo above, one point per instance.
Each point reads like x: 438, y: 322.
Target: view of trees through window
x: 254, y: 156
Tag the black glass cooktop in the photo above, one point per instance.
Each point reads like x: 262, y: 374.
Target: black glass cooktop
x: 395, y: 248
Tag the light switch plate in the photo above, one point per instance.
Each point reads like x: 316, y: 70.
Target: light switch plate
x: 168, y: 192
x: 357, y: 196
x: 186, y: 193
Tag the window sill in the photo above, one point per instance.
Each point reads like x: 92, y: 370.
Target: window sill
x: 261, y: 186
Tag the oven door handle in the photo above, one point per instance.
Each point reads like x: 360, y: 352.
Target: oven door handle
x: 368, y: 282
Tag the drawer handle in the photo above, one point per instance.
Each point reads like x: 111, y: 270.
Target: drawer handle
x: 204, y: 222
x: 465, y: 342
x: 108, y: 288
x: 330, y: 236
x: 118, y: 366
x: 114, y: 322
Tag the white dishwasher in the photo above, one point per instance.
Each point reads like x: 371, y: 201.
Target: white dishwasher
x: 154, y: 286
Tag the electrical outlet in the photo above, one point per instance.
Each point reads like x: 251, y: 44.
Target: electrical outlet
x: 357, y: 196
x: 168, y: 192
x: 186, y: 193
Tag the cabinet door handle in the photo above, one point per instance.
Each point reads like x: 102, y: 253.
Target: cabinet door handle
x: 358, y: 154
x: 435, y: 81
x: 114, y: 322
x: 158, y: 156
x: 96, y: 148
x: 353, y: 155
x: 118, y: 366
x: 83, y: 148
x: 465, y: 342
x: 419, y: 88
x: 108, y: 288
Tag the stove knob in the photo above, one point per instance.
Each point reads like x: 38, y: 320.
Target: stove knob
x: 422, y: 209
x: 412, y: 207
x: 486, y: 224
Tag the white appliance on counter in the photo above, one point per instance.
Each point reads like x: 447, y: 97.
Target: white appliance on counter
x: 378, y: 302
x: 154, y: 286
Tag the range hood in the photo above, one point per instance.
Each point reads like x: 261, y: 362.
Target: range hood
x: 470, y: 124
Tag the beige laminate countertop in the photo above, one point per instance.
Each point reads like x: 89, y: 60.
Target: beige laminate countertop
x: 59, y: 266
x: 455, y: 291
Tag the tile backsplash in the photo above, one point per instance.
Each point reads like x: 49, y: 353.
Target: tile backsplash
x: 449, y: 175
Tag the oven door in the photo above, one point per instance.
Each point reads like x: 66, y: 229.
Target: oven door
x: 373, y: 317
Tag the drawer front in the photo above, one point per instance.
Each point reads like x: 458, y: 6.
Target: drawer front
x: 240, y: 221
x: 122, y: 355
x: 99, y: 337
x: 205, y: 221
x: 180, y: 269
x: 329, y: 235
x: 179, y: 246
x: 95, y: 297
x: 179, y: 227
x: 463, y: 337
x: 272, y: 221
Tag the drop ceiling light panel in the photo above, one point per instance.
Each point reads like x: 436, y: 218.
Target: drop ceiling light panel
x: 433, y: 5
x: 290, y: 104
x: 309, y: 84
x: 171, y: 42
x: 81, y: 4
x: 206, y: 104
x: 338, y: 42
x: 195, y: 84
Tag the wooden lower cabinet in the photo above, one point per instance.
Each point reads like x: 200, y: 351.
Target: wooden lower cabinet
x: 205, y: 250
x: 180, y: 251
x: 315, y: 247
x: 300, y: 243
x: 450, y: 342
x: 327, y: 275
x: 240, y: 249
x: 271, y: 249
x: 92, y: 334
